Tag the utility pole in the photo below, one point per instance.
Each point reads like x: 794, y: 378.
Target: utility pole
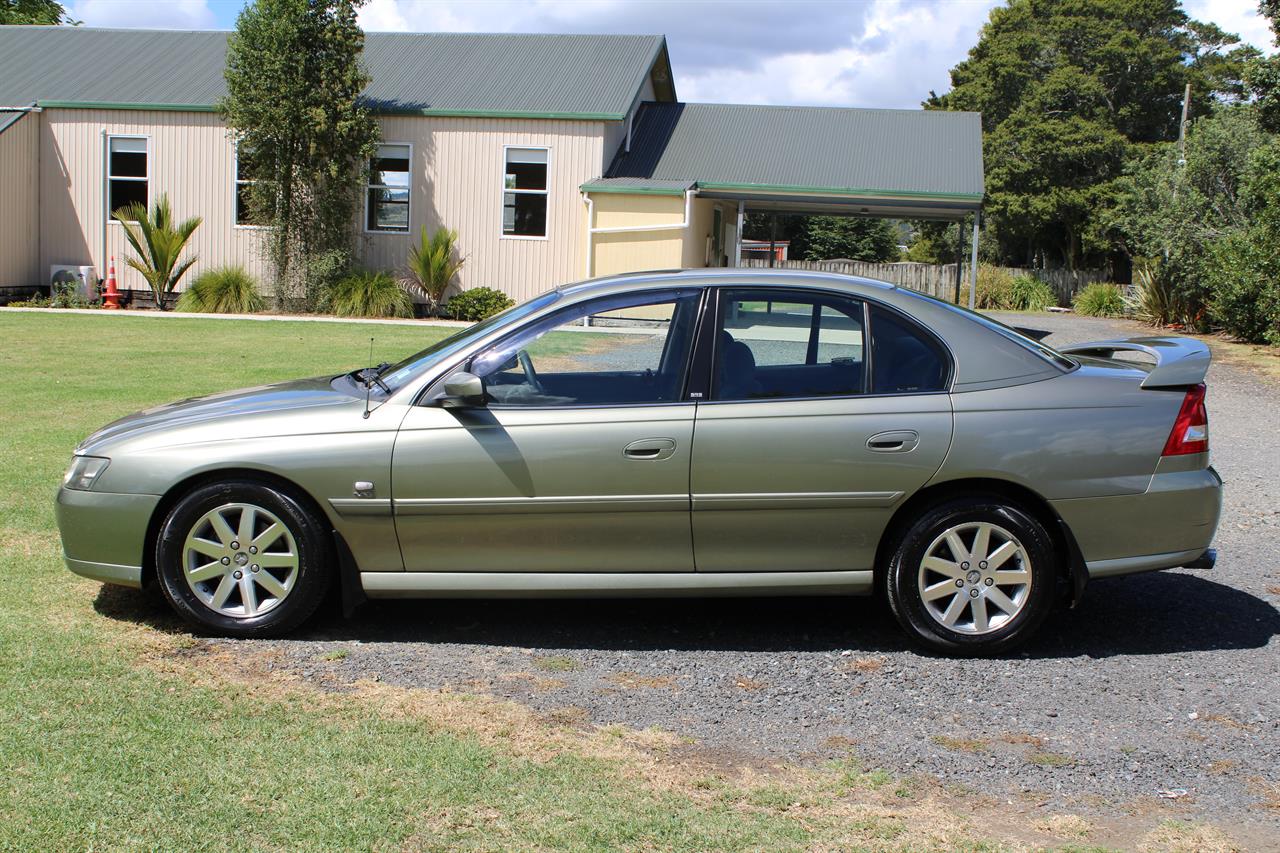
x: 1182, y: 127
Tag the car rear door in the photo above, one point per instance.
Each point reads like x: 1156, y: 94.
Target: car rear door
x: 810, y: 439
x: 579, y: 462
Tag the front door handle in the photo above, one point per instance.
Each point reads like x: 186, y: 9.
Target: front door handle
x: 894, y: 441
x: 650, y: 449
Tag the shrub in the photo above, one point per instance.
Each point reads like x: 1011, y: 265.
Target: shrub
x: 1157, y: 299
x: 477, y: 304
x: 995, y: 287
x: 225, y: 290
x: 159, y: 243
x: 433, y: 264
x: 1028, y: 293
x: 63, y: 294
x: 323, y: 272
x: 1099, y: 300
x: 367, y: 294
x: 1244, y: 279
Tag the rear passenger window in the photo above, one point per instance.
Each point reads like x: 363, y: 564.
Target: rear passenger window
x: 904, y: 360
x: 778, y: 344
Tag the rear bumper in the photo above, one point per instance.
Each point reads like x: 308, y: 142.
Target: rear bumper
x: 104, y: 534
x: 1170, y: 525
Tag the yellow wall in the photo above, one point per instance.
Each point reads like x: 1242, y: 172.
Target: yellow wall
x: 19, y: 203
x: 637, y: 250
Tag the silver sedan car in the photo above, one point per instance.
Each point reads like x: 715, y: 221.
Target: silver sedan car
x: 697, y: 433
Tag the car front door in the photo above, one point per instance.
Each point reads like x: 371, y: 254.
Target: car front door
x: 810, y: 437
x: 577, y: 462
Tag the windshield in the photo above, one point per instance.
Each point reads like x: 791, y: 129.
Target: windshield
x: 402, y: 372
x: 1043, y: 350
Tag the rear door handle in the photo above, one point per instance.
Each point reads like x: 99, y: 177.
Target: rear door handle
x: 650, y: 449
x: 894, y: 441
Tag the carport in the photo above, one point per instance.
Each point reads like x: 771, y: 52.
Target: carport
x: 725, y: 160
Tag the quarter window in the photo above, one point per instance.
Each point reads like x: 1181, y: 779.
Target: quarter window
x: 777, y: 344
x: 524, y: 194
x: 387, y: 208
x: 904, y: 359
x: 624, y: 350
x: 127, y: 172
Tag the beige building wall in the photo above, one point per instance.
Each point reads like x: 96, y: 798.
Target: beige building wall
x: 190, y: 158
x: 457, y: 182
x: 458, y: 176
x: 19, y: 203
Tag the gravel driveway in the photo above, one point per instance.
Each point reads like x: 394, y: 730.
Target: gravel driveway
x: 1155, y: 682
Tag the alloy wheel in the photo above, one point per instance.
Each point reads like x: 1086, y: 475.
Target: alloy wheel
x: 975, y: 577
x: 240, y: 560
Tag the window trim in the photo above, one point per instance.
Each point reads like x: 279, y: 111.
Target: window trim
x: 710, y: 343
x: 545, y: 193
x: 368, y: 185
x: 235, y: 192
x: 107, y: 177
x: 700, y: 295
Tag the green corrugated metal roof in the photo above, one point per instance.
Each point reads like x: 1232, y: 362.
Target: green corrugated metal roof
x: 639, y: 186
x: 808, y: 150
x: 556, y: 76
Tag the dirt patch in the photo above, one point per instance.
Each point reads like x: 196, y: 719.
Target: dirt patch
x: 633, y: 681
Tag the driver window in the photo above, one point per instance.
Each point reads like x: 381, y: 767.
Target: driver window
x: 624, y: 350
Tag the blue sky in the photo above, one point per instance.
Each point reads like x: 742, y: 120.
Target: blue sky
x: 865, y: 53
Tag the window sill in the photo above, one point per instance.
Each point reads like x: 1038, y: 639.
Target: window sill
x: 543, y: 238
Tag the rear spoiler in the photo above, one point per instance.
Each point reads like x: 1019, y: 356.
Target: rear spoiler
x: 1179, y: 361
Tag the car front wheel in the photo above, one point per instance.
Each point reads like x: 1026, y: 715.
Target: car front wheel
x: 972, y: 576
x: 243, y: 559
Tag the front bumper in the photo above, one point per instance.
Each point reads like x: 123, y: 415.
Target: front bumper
x: 1170, y: 525
x: 104, y: 534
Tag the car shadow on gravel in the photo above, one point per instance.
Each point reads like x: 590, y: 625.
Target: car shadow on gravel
x: 1141, y: 615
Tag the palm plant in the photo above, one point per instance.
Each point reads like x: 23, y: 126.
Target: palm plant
x: 432, y: 265
x: 159, y: 244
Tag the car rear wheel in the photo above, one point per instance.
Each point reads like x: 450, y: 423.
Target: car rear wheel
x: 243, y: 559
x: 972, y: 576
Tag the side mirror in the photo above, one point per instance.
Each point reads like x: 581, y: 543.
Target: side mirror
x: 461, y: 390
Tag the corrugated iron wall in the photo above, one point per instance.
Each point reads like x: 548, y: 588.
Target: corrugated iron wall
x: 458, y: 173
x: 20, y: 203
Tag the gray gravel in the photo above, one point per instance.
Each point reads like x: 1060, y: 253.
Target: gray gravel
x: 1155, y: 682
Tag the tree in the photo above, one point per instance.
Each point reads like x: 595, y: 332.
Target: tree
x: 1068, y: 90
x: 159, y: 244
x: 294, y: 77
x: 1263, y: 75
x: 820, y: 238
x: 45, y: 12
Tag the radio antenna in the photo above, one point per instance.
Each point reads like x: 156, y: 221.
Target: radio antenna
x: 368, y: 383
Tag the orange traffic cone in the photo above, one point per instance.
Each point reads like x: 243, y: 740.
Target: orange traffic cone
x: 111, y: 298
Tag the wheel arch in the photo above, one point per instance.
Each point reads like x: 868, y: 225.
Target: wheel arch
x: 183, y: 487
x: 1071, y: 567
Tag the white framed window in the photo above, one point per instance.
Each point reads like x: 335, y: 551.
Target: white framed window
x: 240, y: 197
x: 390, y: 183
x: 524, y: 192
x: 128, y: 172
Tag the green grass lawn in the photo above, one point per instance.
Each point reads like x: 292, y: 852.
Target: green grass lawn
x: 120, y: 731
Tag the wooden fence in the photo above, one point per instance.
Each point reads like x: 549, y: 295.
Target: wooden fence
x: 937, y: 279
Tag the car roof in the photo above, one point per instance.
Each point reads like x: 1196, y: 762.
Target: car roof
x: 983, y: 357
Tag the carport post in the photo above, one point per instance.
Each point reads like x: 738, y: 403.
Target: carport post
x: 973, y: 263
x: 737, y: 234
x: 959, y: 257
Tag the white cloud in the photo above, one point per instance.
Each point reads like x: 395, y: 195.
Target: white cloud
x: 1235, y: 16
x: 154, y: 14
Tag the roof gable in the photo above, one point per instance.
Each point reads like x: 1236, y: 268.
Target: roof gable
x: 536, y: 76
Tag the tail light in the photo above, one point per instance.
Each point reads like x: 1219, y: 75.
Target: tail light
x: 1191, y: 429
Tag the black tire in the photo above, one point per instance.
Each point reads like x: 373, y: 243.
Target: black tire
x: 310, y: 579
x: 903, y: 578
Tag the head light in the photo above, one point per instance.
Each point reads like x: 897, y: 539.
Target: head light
x: 84, y: 471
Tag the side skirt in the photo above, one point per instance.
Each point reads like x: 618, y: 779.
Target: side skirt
x: 610, y: 585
